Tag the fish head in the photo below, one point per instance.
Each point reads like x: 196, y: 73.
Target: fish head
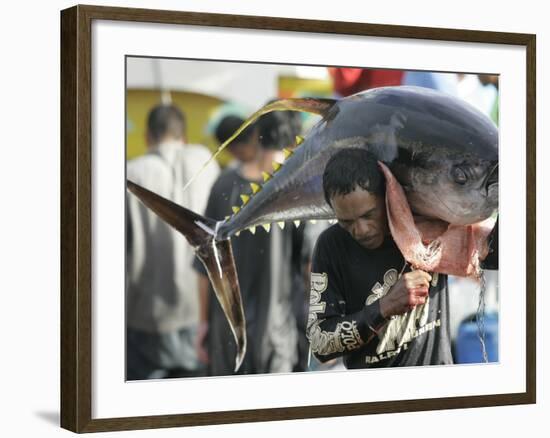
x: 446, y: 157
x: 461, y: 189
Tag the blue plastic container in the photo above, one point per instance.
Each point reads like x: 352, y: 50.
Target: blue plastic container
x: 468, y: 346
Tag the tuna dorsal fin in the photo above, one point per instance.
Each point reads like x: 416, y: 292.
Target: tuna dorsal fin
x: 307, y: 105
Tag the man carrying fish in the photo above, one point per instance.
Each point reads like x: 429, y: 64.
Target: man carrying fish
x: 367, y: 303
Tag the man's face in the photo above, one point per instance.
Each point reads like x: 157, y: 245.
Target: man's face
x: 247, y: 151
x: 244, y: 152
x: 363, y: 215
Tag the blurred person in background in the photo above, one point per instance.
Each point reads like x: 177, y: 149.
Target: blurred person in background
x: 491, y: 82
x: 245, y: 149
x: 268, y: 262
x: 445, y: 82
x: 348, y: 80
x: 278, y: 131
x: 162, y: 305
x: 471, y: 89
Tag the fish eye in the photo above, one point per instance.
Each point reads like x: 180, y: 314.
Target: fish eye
x: 459, y: 175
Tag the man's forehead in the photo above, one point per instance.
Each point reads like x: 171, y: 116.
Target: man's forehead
x: 355, y: 204
x: 357, y: 192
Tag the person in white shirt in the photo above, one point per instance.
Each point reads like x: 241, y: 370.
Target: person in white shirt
x: 161, y: 286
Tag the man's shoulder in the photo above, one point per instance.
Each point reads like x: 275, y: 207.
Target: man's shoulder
x: 195, y: 157
x: 142, y: 160
x: 331, y: 234
x: 229, y: 173
x: 146, y: 164
x: 196, y: 150
x: 331, y: 239
x: 330, y: 252
x: 226, y: 178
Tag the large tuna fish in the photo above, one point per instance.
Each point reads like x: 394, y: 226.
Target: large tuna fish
x: 442, y: 151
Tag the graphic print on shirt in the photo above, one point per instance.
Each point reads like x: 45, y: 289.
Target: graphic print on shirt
x: 401, y: 329
x: 345, y: 336
x: 379, y: 290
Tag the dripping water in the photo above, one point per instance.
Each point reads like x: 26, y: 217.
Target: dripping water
x: 480, y: 316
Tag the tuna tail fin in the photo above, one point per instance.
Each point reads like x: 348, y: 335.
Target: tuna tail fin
x: 215, y: 255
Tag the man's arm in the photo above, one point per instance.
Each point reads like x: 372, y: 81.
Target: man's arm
x: 331, y: 330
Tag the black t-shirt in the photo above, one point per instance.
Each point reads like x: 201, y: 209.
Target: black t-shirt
x: 347, y: 282
x: 251, y: 252
x: 258, y: 258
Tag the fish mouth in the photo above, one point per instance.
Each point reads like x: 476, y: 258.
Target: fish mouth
x: 449, y: 210
x: 492, y: 178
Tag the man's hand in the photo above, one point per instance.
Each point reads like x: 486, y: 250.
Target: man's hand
x: 409, y: 291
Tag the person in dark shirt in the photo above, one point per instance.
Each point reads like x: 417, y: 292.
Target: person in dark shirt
x: 366, y: 303
x: 267, y: 262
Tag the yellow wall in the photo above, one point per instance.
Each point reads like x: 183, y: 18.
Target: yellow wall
x: 197, y: 108
x: 291, y: 86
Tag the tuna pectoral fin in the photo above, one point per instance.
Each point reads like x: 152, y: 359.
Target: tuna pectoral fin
x: 216, y: 256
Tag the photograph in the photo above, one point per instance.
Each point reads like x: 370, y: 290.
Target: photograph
x: 289, y: 218
x: 274, y: 219
x: 270, y: 219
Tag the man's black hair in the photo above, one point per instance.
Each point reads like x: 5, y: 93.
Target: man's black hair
x: 227, y: 127
x: 165, y: 120
x: 350, y: 168
x: 279, y: 129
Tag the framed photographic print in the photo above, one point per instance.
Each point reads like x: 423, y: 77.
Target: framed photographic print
x: 142, y: 89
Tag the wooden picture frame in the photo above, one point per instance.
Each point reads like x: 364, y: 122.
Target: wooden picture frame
x: 76, y: 217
